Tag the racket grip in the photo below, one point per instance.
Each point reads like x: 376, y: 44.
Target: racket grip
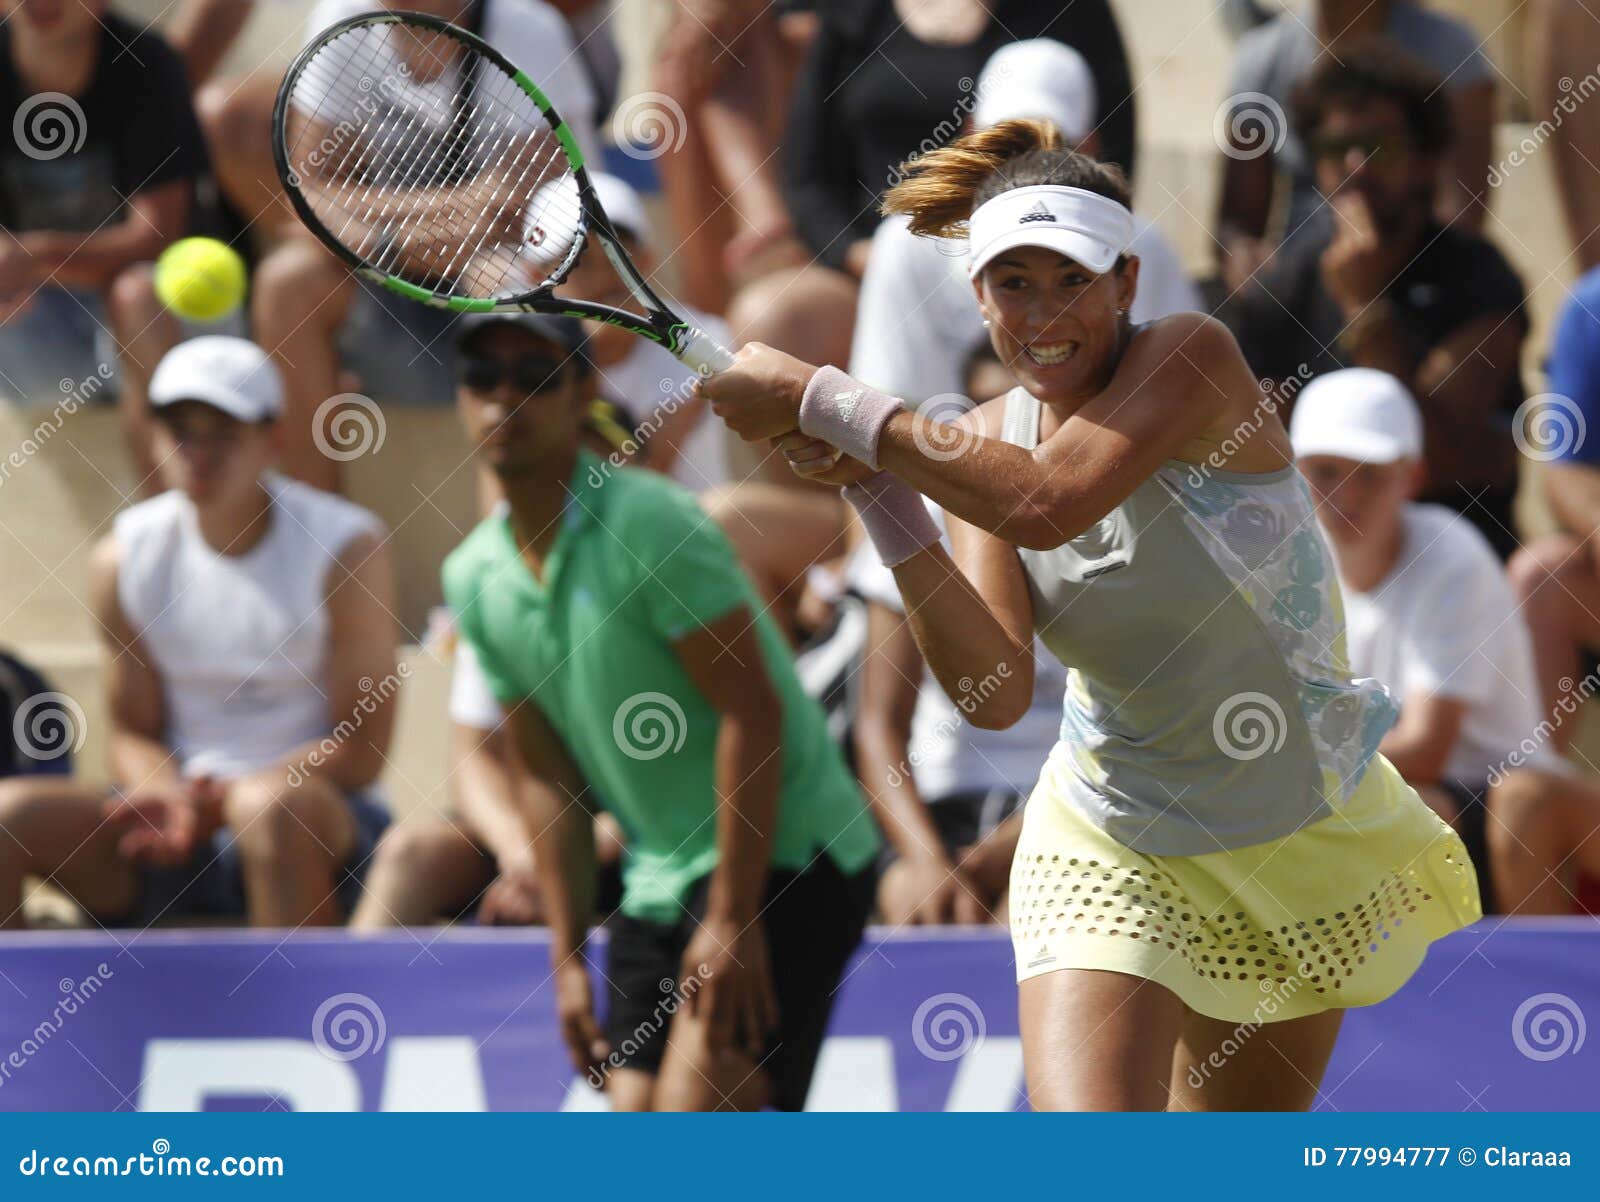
x: 703, y: 352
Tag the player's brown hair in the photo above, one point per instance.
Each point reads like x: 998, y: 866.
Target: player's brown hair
x: 939, y: 190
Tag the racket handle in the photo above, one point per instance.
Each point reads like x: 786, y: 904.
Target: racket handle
x: 704, y: 353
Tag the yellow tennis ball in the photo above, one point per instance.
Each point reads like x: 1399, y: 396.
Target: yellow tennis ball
x: 200, y: 278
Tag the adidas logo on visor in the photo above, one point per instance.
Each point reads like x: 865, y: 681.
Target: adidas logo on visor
x: 1037, y: 213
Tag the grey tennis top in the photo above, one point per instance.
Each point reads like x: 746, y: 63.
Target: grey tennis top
x: 1209, y: 701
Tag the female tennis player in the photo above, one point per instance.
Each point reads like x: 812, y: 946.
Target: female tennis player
x: 1214, y: 843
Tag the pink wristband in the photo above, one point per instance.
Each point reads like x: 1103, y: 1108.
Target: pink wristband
x: 896, y: 519
x: 846, y: 414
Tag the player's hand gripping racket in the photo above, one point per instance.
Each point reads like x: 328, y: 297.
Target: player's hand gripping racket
x: 434, y: 167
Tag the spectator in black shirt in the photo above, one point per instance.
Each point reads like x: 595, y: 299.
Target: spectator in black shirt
x: 1389, y: 288
x: 98, y: 179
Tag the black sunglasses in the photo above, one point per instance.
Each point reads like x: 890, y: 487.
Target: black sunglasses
x: 532, y: 373
x: 1378, y: 151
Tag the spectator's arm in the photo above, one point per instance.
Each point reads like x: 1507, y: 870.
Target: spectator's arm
x: 154, y: 218
x: 202, y: 32
x: 1464, y: 182
x: 1459, y: 386
x: 138, y: 752
x: 484, y: 782
x: 825, y: 199
x: 1420, y: 743
x: 1573, y: 493
x: 891, y: 676
x: 724, y: 661
x: 362, y: 682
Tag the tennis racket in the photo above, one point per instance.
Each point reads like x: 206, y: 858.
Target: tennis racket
x: 431, y: 165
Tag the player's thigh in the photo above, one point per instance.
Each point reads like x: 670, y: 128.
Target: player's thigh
x: 693, y: 1077
x: 1094, y: 1040
x: 55, y: 827
x: 1247, y: 1066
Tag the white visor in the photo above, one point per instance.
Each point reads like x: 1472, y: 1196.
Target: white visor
x: 1088, y: 228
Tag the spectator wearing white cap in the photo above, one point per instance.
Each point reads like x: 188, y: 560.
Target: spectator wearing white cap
x: 1428, y: 608
x: 918, y: 321
x: 250, y: 674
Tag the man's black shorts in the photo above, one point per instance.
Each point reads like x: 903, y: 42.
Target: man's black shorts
x: 813, y: 920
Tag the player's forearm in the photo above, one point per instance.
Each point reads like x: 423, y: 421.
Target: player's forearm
x: 748, y: 771
x: 487, y: 798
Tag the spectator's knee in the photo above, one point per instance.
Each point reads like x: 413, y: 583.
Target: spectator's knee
x: 221, y: 105
x: 409, y: 850
x: 294, y: 284
x: 270, y: 818
x: 1554, y: 557
x: 1523, y: 811
x: 131, y: 301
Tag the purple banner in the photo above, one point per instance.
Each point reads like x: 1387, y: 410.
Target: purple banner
x: 430, y: 1020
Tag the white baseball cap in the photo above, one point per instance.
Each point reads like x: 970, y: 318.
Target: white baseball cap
x: 231, y: 374
x: 1358, y: 413
x: 1040, y: 78
x: 622, y: 205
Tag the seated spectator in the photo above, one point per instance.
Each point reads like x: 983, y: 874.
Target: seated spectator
x: 479, y: 858
x: 99, y: 176
x: 1389, y: 288
x: 947, y: 794
x: 727, y: 68
x: 1557, y: 576
x: 1563, y: 40
x: 632, y: 659
x: 918, y: 318
x: 315, y: 317
x: 37, y: 724
x: 679, y: 433
x: 1272, y: 61
x: 882, y: 83
x: 245, y: 618
x: 1428, y: 610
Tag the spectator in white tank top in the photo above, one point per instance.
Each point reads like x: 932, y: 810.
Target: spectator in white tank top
x: 250, y: 677
x: 1430, y: 612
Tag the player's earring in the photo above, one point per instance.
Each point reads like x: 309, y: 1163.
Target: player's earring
x: 987, y: 323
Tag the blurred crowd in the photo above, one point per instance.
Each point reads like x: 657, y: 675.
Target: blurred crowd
x: 246, y: 606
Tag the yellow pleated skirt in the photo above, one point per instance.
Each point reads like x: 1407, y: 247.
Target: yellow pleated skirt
x: 1337, y: 914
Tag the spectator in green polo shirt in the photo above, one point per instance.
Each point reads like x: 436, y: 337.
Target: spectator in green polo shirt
x: 615, y: 625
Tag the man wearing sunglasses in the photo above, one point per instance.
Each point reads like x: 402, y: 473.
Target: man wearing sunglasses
x: 1389, y: 288
x: 616, y: 627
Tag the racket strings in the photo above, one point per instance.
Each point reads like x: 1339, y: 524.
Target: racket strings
x: 456, y: 182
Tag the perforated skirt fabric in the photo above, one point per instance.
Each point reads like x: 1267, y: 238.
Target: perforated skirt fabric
x: 1338, y: 914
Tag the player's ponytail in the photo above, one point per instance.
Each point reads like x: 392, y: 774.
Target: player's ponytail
x: 939, y: 190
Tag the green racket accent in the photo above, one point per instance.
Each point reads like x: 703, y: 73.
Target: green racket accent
x: 562, y: 132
